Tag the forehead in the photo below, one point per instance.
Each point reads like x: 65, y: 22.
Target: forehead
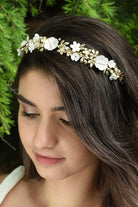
x: 37, y: 87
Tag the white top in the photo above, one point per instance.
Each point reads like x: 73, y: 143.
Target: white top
x: 10, y: 181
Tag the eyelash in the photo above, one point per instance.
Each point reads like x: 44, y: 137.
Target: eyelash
x: 31, y: 116
x: 66, y: 123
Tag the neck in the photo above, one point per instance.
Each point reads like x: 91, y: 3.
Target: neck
x: 75, y: 191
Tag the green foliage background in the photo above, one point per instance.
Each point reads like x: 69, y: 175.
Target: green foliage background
x: 122, y: 15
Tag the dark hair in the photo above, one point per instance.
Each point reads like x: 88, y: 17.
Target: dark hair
x: 103, y: 112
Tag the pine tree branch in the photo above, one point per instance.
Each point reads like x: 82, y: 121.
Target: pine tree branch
x: 87, y: 4
x: 2, y: 30
x: 3, y: 121
x: 8, y: 15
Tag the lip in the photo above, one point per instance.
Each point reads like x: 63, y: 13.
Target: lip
x: 47, y: 160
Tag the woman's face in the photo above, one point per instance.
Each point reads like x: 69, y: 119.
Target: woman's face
x: 45, y: 131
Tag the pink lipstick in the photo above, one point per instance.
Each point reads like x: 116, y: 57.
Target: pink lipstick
x: 47, y: 160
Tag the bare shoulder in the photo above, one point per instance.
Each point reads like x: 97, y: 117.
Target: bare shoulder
x: 16, y: 196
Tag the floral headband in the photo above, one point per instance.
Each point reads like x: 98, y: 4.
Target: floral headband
x: 76, y: 51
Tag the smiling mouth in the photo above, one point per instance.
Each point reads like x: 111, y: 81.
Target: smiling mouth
x: 44, y: 160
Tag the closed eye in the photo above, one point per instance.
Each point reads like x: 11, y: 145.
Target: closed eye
x: 30, y: 115
x: 34, y: 115
x: 65, y: 122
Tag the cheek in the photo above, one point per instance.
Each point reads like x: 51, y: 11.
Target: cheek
x: 86, y: 159
x: 80, y: 153
x: 79, y: 158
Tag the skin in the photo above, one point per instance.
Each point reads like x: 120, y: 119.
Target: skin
x: 44, y: 129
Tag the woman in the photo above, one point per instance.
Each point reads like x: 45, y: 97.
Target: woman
x: 77, y: 117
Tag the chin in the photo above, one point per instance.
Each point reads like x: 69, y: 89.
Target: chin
x: 54, y: 172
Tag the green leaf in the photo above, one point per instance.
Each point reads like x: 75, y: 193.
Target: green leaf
x: 50, y: 3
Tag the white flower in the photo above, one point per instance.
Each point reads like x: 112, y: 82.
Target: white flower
x: 113, y: 76
x: 23, y: 43
x: 36, y: 37
x: 31, y: 46
x: 54, y: 42
x: 101, y: 62
x: 19, y: 52
x: 46, y: 44
x: 75, y: 57
x: 75, y: 46
x: 51, y: 43
x: 111, y: 64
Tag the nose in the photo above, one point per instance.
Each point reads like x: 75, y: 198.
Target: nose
x: 45, y: 135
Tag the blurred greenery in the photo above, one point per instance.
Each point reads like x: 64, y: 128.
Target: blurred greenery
x: 20, y: 17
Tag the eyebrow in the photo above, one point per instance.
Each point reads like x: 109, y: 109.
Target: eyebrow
x: 26, y: 101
